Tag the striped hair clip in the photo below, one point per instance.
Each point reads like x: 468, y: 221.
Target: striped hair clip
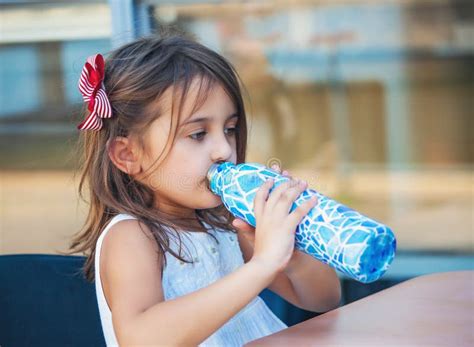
x: 92, y: 89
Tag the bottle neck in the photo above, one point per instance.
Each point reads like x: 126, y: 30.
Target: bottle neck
x: 216, y: 175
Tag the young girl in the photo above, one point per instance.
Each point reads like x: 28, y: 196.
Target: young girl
x: 170, y: 263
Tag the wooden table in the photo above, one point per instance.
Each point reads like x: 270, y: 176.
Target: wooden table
x: 429, y: 310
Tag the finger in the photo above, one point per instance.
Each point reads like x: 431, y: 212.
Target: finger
x: 289, y: 196
x: 302, y: 210
x: 261, y: 196
x: 278, y: 191
x: 242, y: 225
x: 277, y: 168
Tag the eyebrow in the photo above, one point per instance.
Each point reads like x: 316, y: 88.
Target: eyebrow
x: 206, y: 119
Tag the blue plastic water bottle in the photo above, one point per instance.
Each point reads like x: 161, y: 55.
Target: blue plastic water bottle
x: 331, y: 232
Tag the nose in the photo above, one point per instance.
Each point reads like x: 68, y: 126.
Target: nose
x: 221, y: 150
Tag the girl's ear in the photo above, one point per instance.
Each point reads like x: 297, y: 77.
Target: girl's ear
x: 123, y: 153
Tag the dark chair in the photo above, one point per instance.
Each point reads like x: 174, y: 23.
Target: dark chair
x: 46, y: 301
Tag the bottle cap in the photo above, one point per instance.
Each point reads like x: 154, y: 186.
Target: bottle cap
x: 212, y: 175
x: 212, y: 170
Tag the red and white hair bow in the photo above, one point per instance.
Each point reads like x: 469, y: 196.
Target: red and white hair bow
x: 93, y: 92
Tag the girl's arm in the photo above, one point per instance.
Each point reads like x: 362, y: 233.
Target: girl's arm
x: 306, y: 282
x: 131, y: 277
x: 316, y: 284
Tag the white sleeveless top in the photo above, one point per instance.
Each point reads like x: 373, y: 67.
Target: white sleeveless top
x: 212, y: 262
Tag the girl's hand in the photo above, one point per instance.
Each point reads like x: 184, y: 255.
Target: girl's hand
x: 276, y: 226
x: 247, y: 230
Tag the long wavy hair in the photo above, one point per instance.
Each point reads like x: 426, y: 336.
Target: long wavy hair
x: 136, y: 75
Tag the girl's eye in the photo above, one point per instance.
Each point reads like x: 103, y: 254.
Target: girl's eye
x: 231, y: 130
x: 200, y: 135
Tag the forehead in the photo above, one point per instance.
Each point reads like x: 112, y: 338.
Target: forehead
x: 189, y: 99
x: 202, y: 94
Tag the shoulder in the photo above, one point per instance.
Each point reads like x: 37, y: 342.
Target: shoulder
x: 130, y: 232
x: 130, y: 268
x: 128, y: 240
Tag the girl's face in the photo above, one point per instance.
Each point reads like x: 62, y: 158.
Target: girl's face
x: 203, y: 138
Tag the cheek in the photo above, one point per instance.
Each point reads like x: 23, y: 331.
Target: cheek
x: 207, y: 200
x: 187, y: 177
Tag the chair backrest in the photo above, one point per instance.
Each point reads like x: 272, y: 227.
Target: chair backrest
x: 46, y: 301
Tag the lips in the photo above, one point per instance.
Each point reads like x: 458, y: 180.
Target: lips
x: 207, y: 184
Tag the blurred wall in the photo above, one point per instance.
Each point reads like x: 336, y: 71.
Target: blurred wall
x: 370, y: 102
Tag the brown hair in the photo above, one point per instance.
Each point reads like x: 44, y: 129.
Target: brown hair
x: 136, y: 75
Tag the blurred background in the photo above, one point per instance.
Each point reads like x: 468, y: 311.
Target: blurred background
x: 369, y: 101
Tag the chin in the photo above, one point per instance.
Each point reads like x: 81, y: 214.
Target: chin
x: 215, y: 201
x: 209, y: 200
